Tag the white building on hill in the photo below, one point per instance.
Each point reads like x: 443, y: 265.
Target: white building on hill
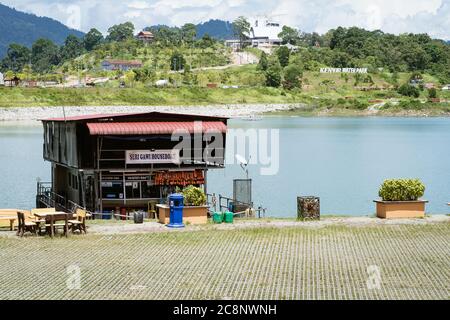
x: 264, y: 31
x: 2, y: 79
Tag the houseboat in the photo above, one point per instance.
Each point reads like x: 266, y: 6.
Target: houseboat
x: 126, y: 161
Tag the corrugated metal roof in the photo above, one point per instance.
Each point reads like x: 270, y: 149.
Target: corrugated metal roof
x: 165, y: 127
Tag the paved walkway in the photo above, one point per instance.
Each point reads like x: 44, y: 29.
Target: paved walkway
x: 351, y: 260
x: 123, y: 228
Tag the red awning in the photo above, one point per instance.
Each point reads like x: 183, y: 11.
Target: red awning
x: 138, y: 128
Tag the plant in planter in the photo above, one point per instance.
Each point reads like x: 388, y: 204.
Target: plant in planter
x: 194, y: 196
x: 400, y: 199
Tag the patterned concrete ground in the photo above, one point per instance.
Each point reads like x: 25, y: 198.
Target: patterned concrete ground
x: 332, y: 262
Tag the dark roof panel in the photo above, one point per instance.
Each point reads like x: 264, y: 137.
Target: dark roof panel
x: 145, y: 116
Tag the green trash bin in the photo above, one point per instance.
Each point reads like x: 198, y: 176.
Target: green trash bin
x: 229, y: 217
x: 218, y: 217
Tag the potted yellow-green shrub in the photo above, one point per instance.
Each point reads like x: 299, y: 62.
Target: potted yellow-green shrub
x: 400, y: 198
x: 195, y: 209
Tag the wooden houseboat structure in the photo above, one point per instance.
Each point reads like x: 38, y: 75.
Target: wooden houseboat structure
x: 106, y: 163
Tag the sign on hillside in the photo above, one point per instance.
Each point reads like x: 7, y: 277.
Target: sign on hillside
x: 343, y: 70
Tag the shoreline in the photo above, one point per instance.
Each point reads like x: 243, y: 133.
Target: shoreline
x: 32, y: 113
x: 229, y: 110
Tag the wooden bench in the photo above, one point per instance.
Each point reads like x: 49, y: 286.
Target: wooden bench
x: 10, y: 216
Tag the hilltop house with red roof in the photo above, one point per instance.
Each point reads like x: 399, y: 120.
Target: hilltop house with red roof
x: 145, y: 36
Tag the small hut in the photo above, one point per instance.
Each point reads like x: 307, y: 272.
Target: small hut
x: 12, y: 82
x: 146, y: 36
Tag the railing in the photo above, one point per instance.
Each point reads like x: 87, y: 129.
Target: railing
x: 46, y: 197
x: 72, y: 208
x: 224, y: 204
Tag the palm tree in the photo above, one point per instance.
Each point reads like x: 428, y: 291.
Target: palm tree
x: 241, y: 29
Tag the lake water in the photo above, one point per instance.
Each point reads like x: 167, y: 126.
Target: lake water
x: 341, y: 160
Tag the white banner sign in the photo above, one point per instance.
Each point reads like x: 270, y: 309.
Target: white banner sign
x: 149, y: 157
x: 343, y: 70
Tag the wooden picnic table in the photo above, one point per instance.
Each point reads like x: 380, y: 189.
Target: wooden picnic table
x: 11, y: 216
x: 11, y: 220
x: 55, y: 216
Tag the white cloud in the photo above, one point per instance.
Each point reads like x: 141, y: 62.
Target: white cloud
x: 132, y: 14
x: 139, y: 5
x: 395, y: 16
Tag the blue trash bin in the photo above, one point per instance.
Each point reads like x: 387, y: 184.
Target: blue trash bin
x: 176, y: 202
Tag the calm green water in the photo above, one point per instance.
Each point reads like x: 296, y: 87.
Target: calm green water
x: 341, y: 160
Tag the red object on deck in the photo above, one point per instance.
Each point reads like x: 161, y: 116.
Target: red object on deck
x: 166, y: 127
x: 123, y: 214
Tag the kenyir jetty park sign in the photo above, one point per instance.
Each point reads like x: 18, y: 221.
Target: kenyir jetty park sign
x: 152, y: 156
x: 343, y: 70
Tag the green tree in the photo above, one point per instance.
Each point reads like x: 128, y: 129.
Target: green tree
x: 337, y: 37
x: 263, y: 62
x: 44, y: 55
x: 166, y: 36
x: 206, y: 42
x: 188, y: 32
x: 283, y: 54
x: 292, y: 77
x: 432, y: 93
x: 27, y: 71
x: 409, y: 90
x: 72, y: 48
x: 394, y: 77
x: 129, y: 77
x: 120, y: 32
x: 177, y: 61
x: 341, y: 60
x: 144, y: 74
x: 16, y: 58
x: 289, y: 35
x: 273, y: 74
x: 92, y: 39
x: 241, y: 29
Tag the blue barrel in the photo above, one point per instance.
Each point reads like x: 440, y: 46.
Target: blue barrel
x: 231, y: 206
x: 176, y: 202
x: 107, y: 215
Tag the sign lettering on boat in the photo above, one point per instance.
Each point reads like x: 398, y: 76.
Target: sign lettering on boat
x: 152, y: 156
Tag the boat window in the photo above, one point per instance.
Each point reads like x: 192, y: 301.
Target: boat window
x: 150, y: 191
x: 133, y: 190
x: 112, y: 190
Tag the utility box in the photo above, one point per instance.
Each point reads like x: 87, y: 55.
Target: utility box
x: 308, y: 208
x: 242, y: 194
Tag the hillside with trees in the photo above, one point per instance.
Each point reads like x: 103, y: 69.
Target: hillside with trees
x: 405, y: 72
x: 217, y: 29
x: 173, y: 49
x: 24, y: 29
x: 356, y: 47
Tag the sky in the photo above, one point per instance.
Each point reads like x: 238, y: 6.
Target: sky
x: 393, y: 16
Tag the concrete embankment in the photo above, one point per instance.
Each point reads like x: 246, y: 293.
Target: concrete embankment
x: 232, y: 110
